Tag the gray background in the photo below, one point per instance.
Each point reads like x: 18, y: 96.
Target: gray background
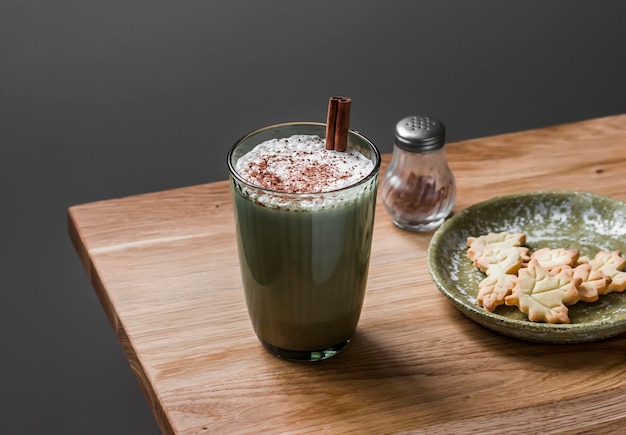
x: 106, y: 99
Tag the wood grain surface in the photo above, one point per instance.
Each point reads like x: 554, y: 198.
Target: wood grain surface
x: 165, y: 268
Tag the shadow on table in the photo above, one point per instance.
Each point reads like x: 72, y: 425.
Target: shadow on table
x: 593, y: 356
x: 371, y: 378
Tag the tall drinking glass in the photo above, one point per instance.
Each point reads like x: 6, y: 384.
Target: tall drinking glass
x: 304, y: 257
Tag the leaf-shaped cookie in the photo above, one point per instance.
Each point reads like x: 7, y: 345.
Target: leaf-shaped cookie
x: 493, y: 289
x: 613, y: 265
x: 542, y: 295
x: 551, y: 258
x: 477, y: 245
x: 593, y: 283
x: 499, y: 260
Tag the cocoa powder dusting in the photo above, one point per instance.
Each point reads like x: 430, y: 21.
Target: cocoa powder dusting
x: 305, y: 170
x: 310, y: 178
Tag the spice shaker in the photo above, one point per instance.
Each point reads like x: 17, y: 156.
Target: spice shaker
x: 418, y: 189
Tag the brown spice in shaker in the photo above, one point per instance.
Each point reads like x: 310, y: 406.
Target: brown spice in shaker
x: 418, y: 196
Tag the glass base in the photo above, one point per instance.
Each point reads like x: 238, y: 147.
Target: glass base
x: 315, y: 355
x: 420, y: 227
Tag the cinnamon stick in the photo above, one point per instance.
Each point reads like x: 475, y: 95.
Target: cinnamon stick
x: 338, y: 123
x: 331, y: 119
x: 343, y: 124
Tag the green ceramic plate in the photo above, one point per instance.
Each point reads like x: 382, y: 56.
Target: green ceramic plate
x: 549, y: 219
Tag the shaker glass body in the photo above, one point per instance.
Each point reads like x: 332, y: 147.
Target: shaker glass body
x: 418, y: 189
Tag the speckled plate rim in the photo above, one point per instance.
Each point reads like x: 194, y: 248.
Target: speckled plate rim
x: 521, y: 329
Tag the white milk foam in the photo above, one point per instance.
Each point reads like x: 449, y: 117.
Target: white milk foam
x: 301, y: 164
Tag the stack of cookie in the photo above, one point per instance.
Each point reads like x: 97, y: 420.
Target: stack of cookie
x: 543, y: 283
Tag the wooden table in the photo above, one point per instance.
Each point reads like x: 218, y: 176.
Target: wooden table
x: 165, y: 268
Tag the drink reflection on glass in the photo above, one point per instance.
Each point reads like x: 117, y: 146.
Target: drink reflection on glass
x: 304, y: 220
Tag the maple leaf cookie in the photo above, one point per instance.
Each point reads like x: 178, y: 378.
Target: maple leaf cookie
x: 542, y: 294
x: 551, y: 258
x: 499, y: 260
x: 613, y: 265
x: 494, y: 289
x: 477, y: 245
x: 593, y: 283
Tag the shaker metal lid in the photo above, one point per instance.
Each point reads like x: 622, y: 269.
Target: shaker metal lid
x: 420, y: 133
